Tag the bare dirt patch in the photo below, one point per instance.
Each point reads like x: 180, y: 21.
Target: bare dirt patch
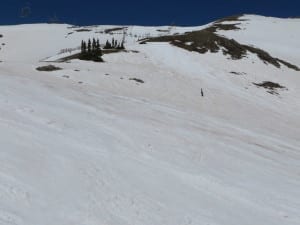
x: 238, y: 73
x: 83, y: 30
x: 107, y: 31
x: 271, y: 87
x: 48, y: 68
x: 137, y: 80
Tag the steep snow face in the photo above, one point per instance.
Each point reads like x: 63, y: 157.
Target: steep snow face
x: 88, y: 145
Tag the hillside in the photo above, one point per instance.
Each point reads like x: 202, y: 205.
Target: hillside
x: 131, y: 141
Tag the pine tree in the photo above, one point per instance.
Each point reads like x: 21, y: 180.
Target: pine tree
x: 98, y: 48
x: 85, y: 47
x: 89, y: 47
x: 97, y: 45
x: 122, y: 45
x: 82, y: 46
x: 107, y: 45
x: 94, y: 45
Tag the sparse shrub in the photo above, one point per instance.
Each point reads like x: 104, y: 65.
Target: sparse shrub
x: 68, y: 50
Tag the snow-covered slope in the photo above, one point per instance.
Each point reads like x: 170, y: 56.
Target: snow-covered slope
x: 279, y: 37
x: 87, y: 145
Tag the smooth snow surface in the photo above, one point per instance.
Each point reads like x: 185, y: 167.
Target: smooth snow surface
x: 88, y: 146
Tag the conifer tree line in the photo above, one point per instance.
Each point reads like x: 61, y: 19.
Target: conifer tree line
x: 91, y: 46
x: 114, y: 44
x: 91, y: 50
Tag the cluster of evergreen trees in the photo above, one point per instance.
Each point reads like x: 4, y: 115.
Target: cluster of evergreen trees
x: 91, y: 46
x: 114, y: 44
x: 91, y: 50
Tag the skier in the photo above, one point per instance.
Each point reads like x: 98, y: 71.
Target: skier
x: 202, y: 94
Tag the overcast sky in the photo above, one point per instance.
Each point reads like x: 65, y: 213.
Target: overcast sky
x: 153, y: 12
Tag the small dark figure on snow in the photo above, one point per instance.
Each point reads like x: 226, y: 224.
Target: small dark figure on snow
x: 202, y: 94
